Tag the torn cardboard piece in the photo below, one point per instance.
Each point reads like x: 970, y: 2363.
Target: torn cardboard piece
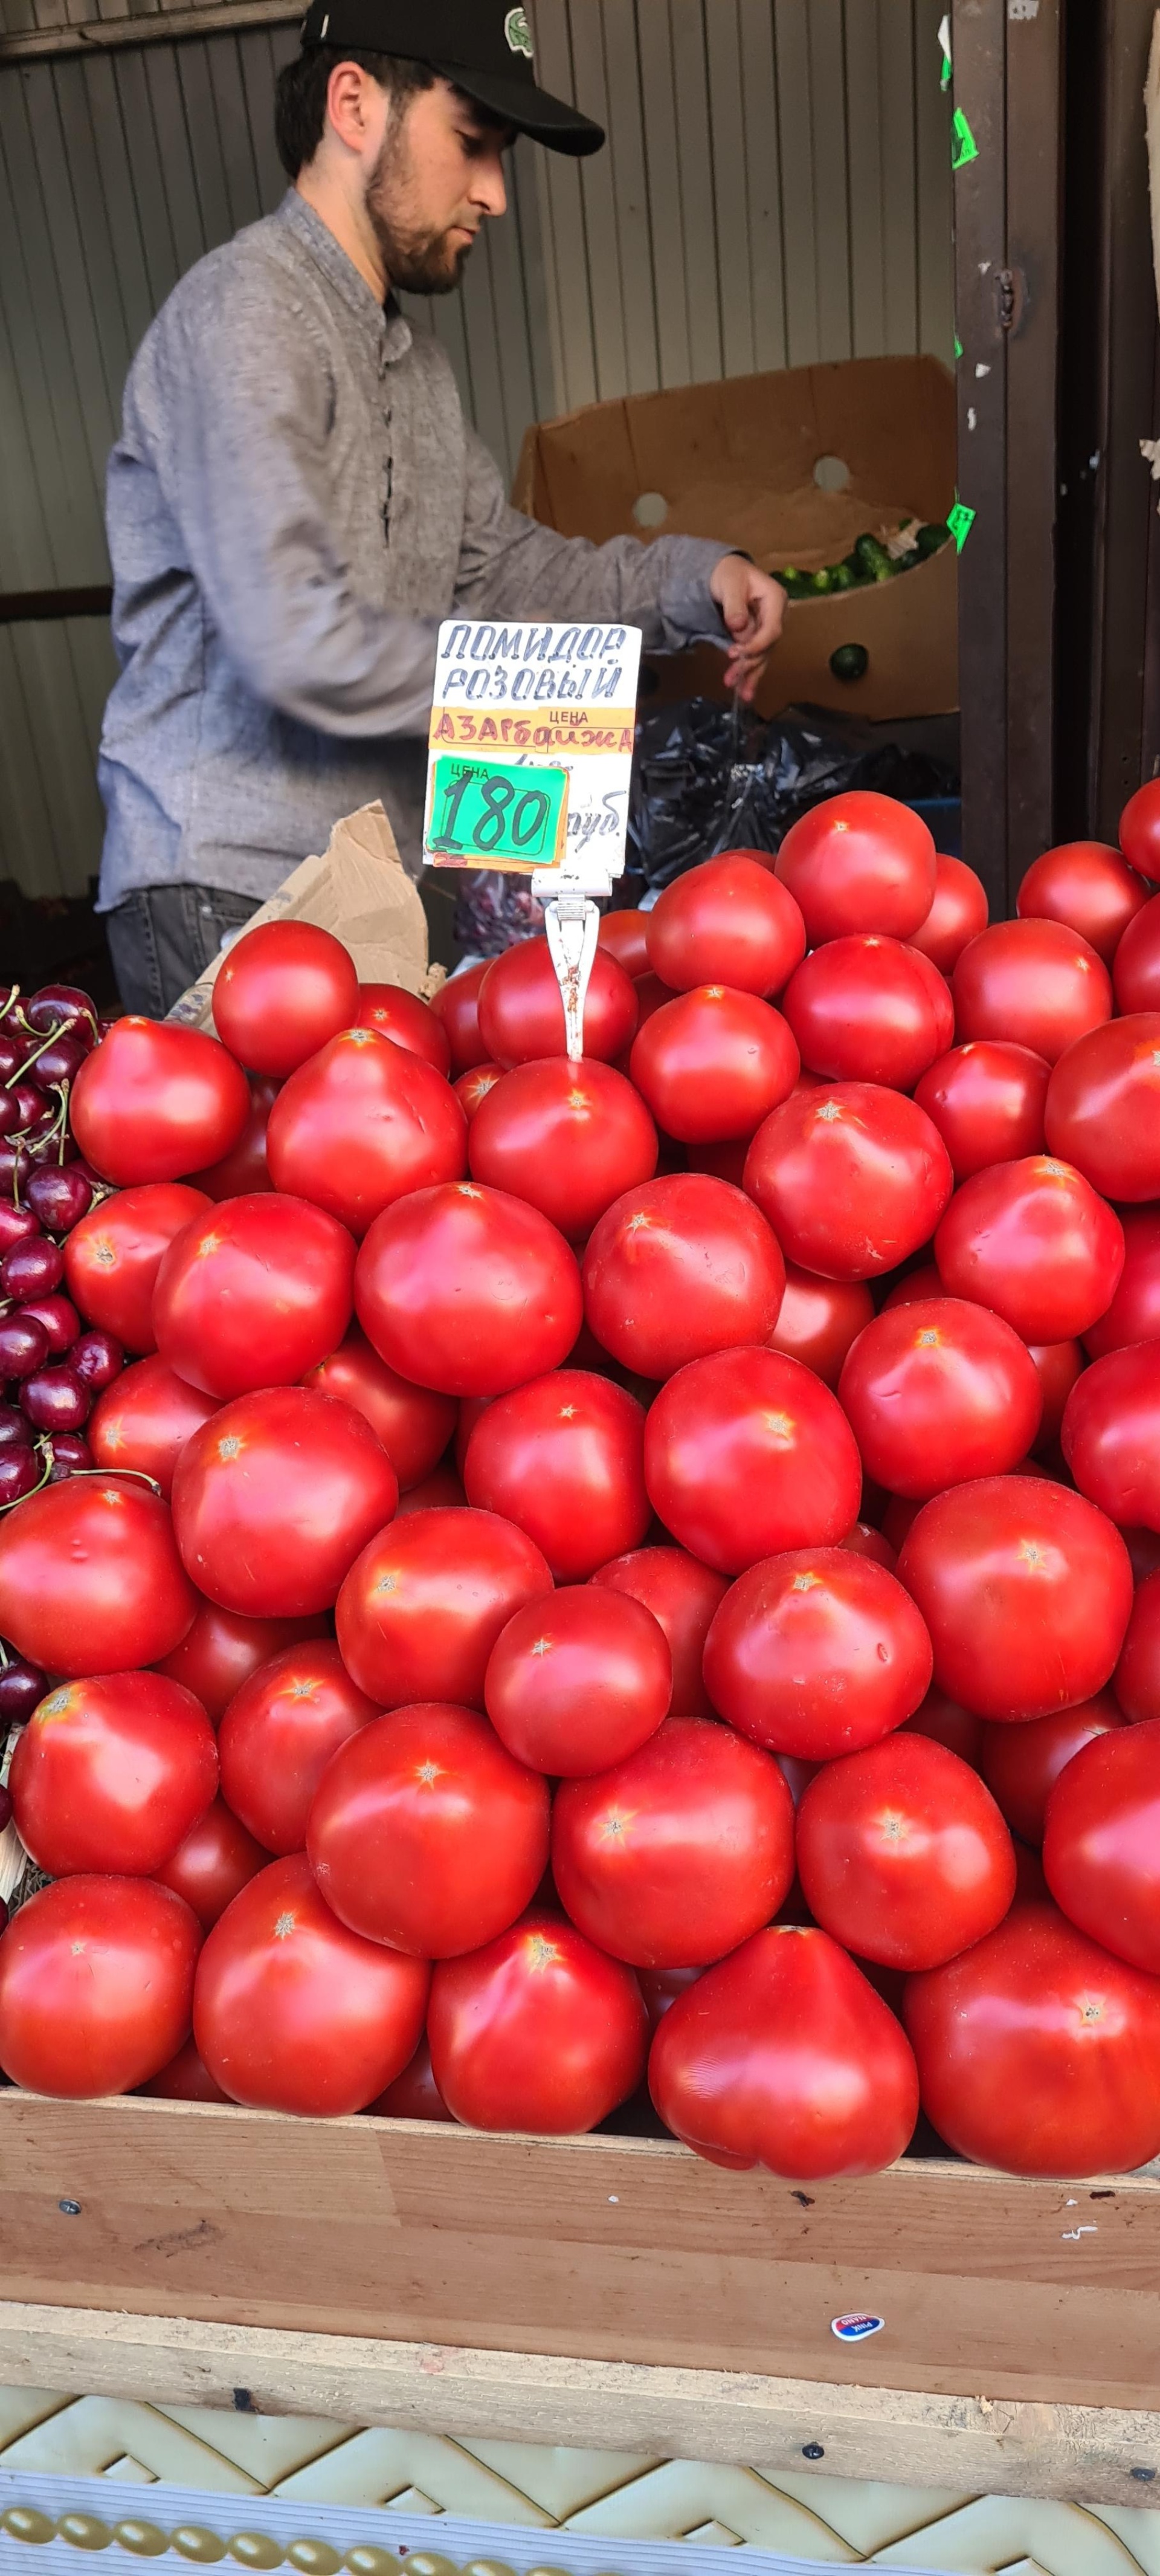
x: 361, y: 892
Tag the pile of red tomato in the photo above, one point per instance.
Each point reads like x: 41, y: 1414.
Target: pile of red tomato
x: 639, y: 1573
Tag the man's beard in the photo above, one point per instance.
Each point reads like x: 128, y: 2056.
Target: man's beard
x: 421, y: 263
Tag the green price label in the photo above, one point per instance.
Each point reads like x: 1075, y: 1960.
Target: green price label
x: 496, y: 813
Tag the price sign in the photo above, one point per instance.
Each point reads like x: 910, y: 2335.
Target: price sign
x: 496, y: 813
x: 532, y: 732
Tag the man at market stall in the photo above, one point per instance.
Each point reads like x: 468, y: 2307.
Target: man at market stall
x: 296, y: 500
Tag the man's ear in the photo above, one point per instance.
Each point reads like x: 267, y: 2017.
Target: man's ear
x: 353, y: 103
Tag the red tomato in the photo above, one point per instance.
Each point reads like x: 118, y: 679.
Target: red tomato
x: 937, y: 1393
x: 865, y: 1540
x: 682, y: 1595
x: 712, y: 1063
x: 440, y: 1491
x: 467, y: 1290
x: 1021, y: 1764
x: 219, y: 1652
x: 1101, y: 1850
x: 661, y: 1986
x: 362, y: 1125
x: 568, y: 1138
x: 521, y: 1014
x: 278, y: 1734
x: 274, y: 1498
x: 253, y: 1295
x: 672, y: 1857
x: 861, y: 1011
x: 853, y: 1178
x: 623, y: 935
x: 293, y: 2012
x: 90, y: 1578
x: 817, y: 1652
x: 1034, y: 1242
x: 213, y: 1864
x: 539, y: 2031
x: 397, y: 1014
x: 425, y: 1834
x: 958, y: 1728
x: 244, y: 1168
x: 471, y: 1091
x: 111, y: 1259
x: 1087, y: 886
x: 784, y: 2056
x: 1137, y: 1675
x: 456, y: 1004
x: 1134, y: 1313
x: 185, y: 2079
x: 818, y: 1319
x: 1025, y: 1590
x: 1033, y: 982
x: 413, y: 1424
x: 1038, y: 2052
x: 1136, y: 972
x: 563, y: 1457
x: 1102, y: 1104
x: 144, y: 1419
x: 726, y: 922
x: 282, y: 991
x: 958, y: 913
x: 112, y: 1774
x: 747, y: 1453
x: 154, y: 1101
x: 859, y: 862
x: 1111, y: 1435
x: 903, y: 1854
x: 916, y: 1288
x: 579, y: 1681
x: 678, y: 1268
x: 96, y: 1985
x: 987, y: 1102
x: 1058, y: 1365
x: 423, y: 1605
x: 414, y: 2095
x: 1140, y: 830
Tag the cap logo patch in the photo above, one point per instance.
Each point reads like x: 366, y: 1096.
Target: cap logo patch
x: 518, y: 32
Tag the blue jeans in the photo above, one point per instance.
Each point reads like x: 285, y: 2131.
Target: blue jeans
x: 162, y: 938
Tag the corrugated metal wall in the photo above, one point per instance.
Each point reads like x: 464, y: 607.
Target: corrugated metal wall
x: 776, y: 189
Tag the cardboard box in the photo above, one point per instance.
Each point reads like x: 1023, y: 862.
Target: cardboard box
x: 738, y: 459
x: 360, y: 890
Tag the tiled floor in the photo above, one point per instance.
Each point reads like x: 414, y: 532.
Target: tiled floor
x: 603, y: 2493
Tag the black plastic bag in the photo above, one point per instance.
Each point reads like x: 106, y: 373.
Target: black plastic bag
x: 705, y: 779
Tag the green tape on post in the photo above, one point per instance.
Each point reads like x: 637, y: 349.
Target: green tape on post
x: 958, y: 346
x: 968, y: 149
x: 960, y: 521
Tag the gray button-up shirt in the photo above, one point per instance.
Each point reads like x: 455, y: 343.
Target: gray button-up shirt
x: 294, y: 503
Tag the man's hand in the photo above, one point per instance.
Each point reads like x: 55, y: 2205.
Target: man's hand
x: 752, y: 606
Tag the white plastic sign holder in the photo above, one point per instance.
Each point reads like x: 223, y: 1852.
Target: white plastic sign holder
x: 558, y: 702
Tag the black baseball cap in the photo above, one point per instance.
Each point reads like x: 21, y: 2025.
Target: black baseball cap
x: 483, y: 46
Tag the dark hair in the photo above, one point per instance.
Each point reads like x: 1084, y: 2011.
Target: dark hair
x: 300, y: 95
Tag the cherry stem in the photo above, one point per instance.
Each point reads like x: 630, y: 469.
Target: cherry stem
x: 57, y: 1031
x: 41, y: 1481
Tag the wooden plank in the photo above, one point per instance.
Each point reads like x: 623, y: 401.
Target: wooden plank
x: 624, y: 112
x: 795, y: 143
x: 31, y: 853
x: 763, y: 177
x: 934, y: 184
x: 122, y: 213
x: 831, y: 194
x: 589, y: 87
x: 1034, y: 190
x: 695, y: 152
x: 1127, y: 366
x: 533, y: 266
x: 57, y: 720
x: 256, y: 64
x: 26, y: 607
x: 143, y: 25
x: 565, y: 238
x: 191, y: 64
x: 167, y: 107
x: 865, y: 160
x: 147, y: 175
x: 978, y: 2444
x: 666, y: 202
x: 730, y: 187
x: 231, y: 115
x: 601, y: 2249
x: 979, y: 34
x: 31, y: 297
